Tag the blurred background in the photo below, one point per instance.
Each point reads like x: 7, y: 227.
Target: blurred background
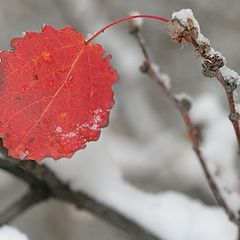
x: 146, y: 138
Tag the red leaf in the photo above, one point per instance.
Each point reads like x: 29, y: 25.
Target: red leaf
x: 55, y: 93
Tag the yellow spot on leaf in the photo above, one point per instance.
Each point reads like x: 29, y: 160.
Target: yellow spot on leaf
x: 46, y: 56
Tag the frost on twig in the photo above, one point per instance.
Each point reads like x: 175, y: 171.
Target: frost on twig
x: 185, y: 29
x: 163, y: 77
x: 218, y: 147
x: 232, y: 78
x: 185, y: 100
x: 135, y: 24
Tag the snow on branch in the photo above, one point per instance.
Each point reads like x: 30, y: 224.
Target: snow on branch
x: 185, y: 29
x: 183, y: 104
x: 158, y: 213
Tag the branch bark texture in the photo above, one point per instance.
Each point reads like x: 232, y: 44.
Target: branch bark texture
x: 45, y: 184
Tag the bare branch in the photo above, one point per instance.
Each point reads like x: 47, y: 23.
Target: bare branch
x: 42, y: 178
x: 183, y: 107
x: 108, y: 214
x: 30, y: 199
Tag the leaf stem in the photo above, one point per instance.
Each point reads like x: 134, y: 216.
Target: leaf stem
x: 123, y: 20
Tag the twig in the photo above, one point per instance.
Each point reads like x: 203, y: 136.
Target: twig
x: 186, y: 30
x: 30, y: 199
x: 234, y: 115
x: 41, y: 177
x: 183, y: 106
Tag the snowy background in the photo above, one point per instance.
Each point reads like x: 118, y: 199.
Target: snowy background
x: 143, y: 164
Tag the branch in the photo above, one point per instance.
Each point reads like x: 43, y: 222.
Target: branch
x: 185, y: 29
x: 31, y: 198
x: 183, y: 105
x: 42, y: 178
x: 108, y: 214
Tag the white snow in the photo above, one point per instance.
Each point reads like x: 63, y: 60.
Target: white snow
x: 213, y: 52
x: 219, y: 147
x: 165, y: 79
x: 160, y: 213
x: 100, y: 176
x: 24, y: 154
x: 238, y: 108
x: 97, y: 118
x: 182, y: 96
x: 93, y: 125
x: 58, y: 129
x: 11, y: 233
x: 230, y: 75
x: 203, y: 39
x: 183, y: 16
x: 137, y: 22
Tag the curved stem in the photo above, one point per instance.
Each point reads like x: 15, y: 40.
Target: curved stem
x: 123, y: 20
